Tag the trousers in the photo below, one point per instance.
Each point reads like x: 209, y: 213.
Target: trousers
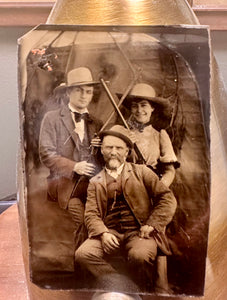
x: 76, y: 210
x: 139, y: 257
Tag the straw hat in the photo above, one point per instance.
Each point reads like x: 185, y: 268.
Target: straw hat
x: 144, y: 91
x: 78, y: 77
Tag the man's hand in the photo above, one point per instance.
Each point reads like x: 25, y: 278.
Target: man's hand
x: 145, y: 231
x: 84, y: 168
x: 133, y: 136
x: 96, y: 142
x: 109, y: 242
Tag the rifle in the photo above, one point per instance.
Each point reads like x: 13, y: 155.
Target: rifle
x: 82, y: 181
x: 141, y: 159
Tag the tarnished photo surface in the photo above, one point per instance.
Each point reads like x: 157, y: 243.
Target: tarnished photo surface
x: 115, y: 137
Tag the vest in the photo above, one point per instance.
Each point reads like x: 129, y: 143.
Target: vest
x: 119, y: 215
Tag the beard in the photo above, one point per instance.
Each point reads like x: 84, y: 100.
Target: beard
x: 113, y: 163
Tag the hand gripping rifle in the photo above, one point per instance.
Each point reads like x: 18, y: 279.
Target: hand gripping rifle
x: 81, y: 181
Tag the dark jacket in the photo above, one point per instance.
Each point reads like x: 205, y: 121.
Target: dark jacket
x: 151, y: 202
x: 59, y: 151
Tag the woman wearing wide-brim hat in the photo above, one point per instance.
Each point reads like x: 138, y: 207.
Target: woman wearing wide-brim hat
x: 154, y: 145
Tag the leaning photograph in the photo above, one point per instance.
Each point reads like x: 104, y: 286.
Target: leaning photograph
x: 115, y: 139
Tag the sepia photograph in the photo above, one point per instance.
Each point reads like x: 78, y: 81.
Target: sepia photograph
x: 116, y: 157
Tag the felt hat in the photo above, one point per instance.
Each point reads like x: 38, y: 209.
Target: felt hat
x: 78, y: 77
x: 144, y: 91
x: 120, y: 132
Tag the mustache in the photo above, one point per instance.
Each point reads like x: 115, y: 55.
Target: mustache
x: 114, y: 158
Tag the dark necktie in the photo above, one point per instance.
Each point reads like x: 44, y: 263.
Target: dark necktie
x: 79, y: 117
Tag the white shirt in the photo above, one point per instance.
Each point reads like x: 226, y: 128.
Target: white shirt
x: 115, y: 173
x: 79, y: 126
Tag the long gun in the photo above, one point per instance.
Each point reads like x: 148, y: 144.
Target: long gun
x: 141, y: 159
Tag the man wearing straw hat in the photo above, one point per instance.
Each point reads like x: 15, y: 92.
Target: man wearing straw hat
x: 127, y: 209
x: 65, y: 139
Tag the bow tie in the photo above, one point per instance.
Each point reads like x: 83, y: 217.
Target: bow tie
x: 79, y: 117
x: 133, y: 124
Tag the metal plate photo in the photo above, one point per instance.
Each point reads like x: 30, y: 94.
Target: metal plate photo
x: 115, y: 144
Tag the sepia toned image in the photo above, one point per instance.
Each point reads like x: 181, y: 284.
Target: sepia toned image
x: 116, y: 154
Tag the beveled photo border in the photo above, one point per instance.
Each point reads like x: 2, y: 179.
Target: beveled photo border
x: 176, y: 59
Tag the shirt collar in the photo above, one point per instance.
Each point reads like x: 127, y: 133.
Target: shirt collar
x: 74, y: 110
x: 115, y: 173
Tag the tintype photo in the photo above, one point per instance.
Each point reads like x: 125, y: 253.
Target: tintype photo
x: 115, y: 146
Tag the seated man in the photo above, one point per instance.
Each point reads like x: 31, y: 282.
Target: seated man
x: 127, y: 209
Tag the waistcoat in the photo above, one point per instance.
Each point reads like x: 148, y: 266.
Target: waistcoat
x: 119, y: 215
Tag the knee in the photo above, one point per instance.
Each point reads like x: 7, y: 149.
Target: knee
x: 140, y: 257
x: 81, y: 256
x: 135, y: 256
x: 86, y: 255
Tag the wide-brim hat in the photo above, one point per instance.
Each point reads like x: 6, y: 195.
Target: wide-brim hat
x: 144, y: 91
x: 120, y: 132
x: 78, y: 77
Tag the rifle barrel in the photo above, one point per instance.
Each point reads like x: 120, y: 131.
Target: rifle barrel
x: 141, y: 159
